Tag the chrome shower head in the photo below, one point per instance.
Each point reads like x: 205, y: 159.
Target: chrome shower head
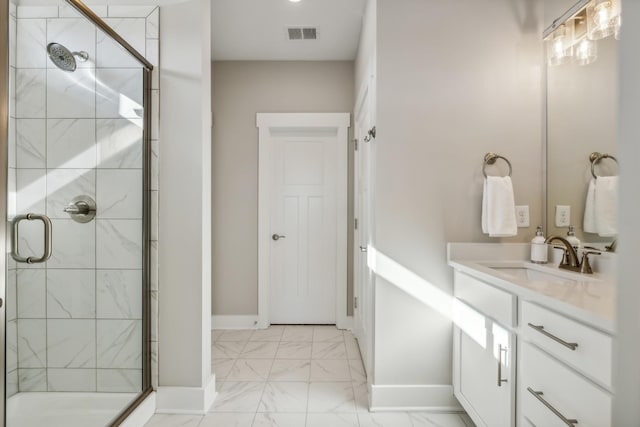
x: 63, y: 58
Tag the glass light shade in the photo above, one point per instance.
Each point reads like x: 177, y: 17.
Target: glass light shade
x: 559, y: 46
x: 603, y: 18
x: 617, y: 33
x: 585, y: 52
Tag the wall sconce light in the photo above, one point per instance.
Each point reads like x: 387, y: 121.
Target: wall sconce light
x: 603, y: 19
x: 586, y: 52
x: 572, y: 37
x: 560, y: 45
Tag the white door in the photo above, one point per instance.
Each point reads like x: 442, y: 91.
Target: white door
x: 363, y: 280
x: 305, y: 195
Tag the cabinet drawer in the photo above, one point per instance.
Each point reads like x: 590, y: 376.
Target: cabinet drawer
x: 563, y: 390
x: 485, y: 298
x: 593, y: 353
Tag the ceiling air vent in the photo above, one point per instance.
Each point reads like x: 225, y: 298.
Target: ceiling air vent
x: 295, y: 33
x: 309, y: 34
x: 302, y: 33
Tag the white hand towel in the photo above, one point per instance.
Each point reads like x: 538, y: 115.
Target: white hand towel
x: 606, y: 204
x: 498, y: 207
x: 589, y: 223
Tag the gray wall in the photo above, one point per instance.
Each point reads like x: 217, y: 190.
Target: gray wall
x: 242, y: 89
x: 451, y: 86
x: 185, y: 205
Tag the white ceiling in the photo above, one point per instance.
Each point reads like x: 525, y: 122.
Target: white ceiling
x: 256, y: 29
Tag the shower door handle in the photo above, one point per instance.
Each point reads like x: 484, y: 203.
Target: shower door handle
x: 15, y: 254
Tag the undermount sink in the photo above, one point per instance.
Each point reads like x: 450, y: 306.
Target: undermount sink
x: 532, y: 275
x: 525, y: 271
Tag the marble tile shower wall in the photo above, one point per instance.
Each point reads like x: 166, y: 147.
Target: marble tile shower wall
x: 11, y: 337
x: 74, y: 323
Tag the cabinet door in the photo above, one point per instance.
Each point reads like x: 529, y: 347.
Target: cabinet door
x: 484, y: 375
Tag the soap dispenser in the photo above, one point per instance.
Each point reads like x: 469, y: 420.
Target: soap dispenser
x: 539, y: 251
x: 571, y: 238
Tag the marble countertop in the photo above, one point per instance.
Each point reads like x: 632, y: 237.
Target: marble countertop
x: 589, y: 298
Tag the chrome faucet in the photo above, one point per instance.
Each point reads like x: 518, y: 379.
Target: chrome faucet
x: 570, y: 257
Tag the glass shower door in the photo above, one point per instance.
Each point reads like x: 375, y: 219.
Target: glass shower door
x: 77, y: 162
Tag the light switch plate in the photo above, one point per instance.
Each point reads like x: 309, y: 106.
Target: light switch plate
x: 563, y: 216
x: 522, y: 216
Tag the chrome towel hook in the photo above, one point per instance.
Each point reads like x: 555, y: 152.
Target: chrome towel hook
x: 595, y: 158
x: 490, y: 158
x: 371, y: 133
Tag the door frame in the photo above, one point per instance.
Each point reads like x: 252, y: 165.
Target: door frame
x: 358, y: 208
x: 364, y: 325
x: 265, y: 122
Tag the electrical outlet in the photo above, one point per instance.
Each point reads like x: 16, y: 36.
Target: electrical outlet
x: 522, y: 216
x: 563, y: 216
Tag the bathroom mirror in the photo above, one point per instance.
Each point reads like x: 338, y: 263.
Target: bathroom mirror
x: 581, y: 119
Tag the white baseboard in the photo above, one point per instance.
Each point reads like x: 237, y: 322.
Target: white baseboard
x: 234, y: 322
x: 142, y: 413
x: 433, y: 398
x: 345, y: 323
x: 186, y: 400
x: 252, y: 322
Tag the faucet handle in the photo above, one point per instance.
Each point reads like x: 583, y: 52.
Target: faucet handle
x: 612, y: 246
x: 585, y: 266
x: 565, y: 254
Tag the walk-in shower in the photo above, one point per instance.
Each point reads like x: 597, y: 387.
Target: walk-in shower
x: 75, y: 156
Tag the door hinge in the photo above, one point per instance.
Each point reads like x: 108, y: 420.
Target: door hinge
x: 355, y: 302
x: 355, y: 223
x: 355, y: 143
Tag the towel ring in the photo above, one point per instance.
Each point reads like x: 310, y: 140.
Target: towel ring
x: 490, y: 158
x: 595, y: 158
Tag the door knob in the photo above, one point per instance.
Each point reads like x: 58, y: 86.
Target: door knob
x: 277, y: 237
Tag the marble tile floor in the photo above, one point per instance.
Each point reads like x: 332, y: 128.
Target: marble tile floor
x: 294, y: 376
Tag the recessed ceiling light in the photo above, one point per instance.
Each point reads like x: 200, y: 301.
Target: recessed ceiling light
x: 294, y: 1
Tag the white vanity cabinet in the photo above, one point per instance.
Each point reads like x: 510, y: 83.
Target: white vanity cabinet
x: 563, y: 367
x: 564, y: 371
x: 549, y: 336
x: 484, y: 351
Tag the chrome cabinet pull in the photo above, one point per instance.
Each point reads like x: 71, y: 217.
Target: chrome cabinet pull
x: 501, y: 350
x: 540, y: 328
x: 15, y: 254
x: 538, y: 395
